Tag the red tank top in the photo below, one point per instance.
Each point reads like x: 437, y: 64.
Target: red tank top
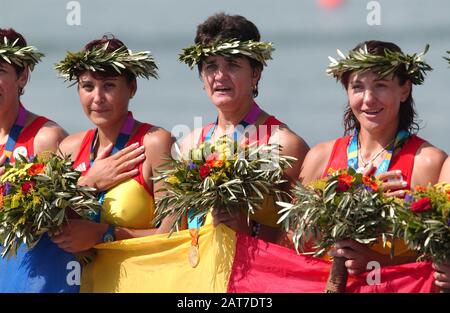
x: 262, y: 133
x: 25, y: 142
x: 403, y: 161
x: 81, y: 162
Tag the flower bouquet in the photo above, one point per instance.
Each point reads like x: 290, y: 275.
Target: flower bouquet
x: 424, y: 223
x: 221, y: 174
x: 38, y: 195
x: 343, y: 205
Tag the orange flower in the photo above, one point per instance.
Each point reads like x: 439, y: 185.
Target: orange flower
x: 419, y: 188
x: 344, y: 182
x: 369, y: 182
x: 36, y: 169
x: 217, y: 163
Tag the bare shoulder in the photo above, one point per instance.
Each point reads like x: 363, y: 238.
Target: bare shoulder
x: 157, y: 139
x: 315, y: 161
x: 429, y: 156
x: 48, y: 137
x: 428, y: 163
x: 189, y: 141
x: 71, y: 144
x: 291, y: 145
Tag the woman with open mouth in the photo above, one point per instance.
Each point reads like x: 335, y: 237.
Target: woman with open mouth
x: 230, y: 58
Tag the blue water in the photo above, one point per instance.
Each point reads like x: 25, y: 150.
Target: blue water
x: 294, y: 86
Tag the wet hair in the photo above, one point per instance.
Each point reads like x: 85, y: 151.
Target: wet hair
x: 407, y: 113
x: 12, y: 36
x: 223, y: 26
x: 113, y: 44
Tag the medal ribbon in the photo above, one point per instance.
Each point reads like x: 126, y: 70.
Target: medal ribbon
x: 249, y: 119
x: 120, y: 143
x: 352, y: 151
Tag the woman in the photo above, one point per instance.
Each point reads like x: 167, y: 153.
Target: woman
x: 442, y: 273
x: 380, y: 125
x: 43, y: 268
x: 128, y: 205
x: 230, y: 75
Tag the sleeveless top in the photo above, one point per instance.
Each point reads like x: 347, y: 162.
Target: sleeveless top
x: 129, y: 204
x: 25, y: 142
x: 403, y: 161
x: 268, y: 215
x: 46, y: 267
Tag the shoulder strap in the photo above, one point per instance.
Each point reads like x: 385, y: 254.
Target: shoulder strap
x: 338, y: 157
x: 83, y: 152
x: 404, y: 160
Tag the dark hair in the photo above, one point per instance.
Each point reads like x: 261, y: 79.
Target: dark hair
x: 223, y: 26
x: 12, y: 36
x: 407, y: 113
x: 113, y: 44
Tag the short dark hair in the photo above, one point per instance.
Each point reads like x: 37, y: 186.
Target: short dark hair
x: 224, y: 26
x: 407, y: 112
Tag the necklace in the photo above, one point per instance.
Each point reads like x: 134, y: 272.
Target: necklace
x: 364, y: 163
x: 353, y: 150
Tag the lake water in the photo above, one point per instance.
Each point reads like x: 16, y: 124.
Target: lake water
x: 294, y: 86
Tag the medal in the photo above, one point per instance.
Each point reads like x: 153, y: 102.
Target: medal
x: 194, y: 255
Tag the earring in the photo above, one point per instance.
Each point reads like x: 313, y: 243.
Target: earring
x: 21, y: 91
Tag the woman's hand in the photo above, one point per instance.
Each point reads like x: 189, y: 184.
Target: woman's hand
x: 442, y: 275
x: 107, y: 171
x: 391, y: 180
x: 358, y: 255
x: 78, y: 235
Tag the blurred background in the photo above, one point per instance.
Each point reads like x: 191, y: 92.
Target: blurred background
x: 294, y: 86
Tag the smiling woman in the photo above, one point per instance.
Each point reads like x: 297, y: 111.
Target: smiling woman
x: 380, y: 125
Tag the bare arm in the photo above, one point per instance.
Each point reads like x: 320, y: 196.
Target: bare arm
x: 48, y: 138
x: 291, y: 145
x: 315, y: 162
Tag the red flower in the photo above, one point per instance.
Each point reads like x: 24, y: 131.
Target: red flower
x: 421, y: 205
x: 36, y: 168
x: 204, y: 171
x: 369, y: 182
x: 27, y: 186
x: 344, y: 182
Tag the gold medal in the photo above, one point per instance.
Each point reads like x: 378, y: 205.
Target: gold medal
x: 193, y: 256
